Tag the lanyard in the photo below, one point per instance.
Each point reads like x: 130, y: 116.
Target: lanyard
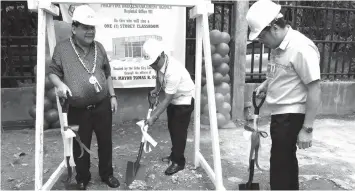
x: 166, y: 66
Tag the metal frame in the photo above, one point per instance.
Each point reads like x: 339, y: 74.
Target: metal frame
x: 201, y: 10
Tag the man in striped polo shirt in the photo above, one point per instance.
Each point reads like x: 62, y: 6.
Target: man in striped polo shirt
x: 80, y: 69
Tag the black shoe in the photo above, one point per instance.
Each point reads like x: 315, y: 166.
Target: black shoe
x: 166, y: 159
x: 112, y: 182
x: 174, y: 168
x: 81, y: 186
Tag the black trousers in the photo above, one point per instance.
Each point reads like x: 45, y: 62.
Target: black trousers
x: 284, y: 130
x: 98, y: 120
x: 178, y: 122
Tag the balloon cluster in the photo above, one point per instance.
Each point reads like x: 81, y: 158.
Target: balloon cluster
x: 220, y: 59
x: 51, y: 115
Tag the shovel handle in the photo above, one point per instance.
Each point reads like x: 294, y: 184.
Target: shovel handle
x: 152, y: 103
x: 140, y: 152
x: 64, y: 103
x: 251, y: 173
x: 257, y: 106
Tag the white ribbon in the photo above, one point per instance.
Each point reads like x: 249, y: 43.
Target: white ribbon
x: 68, y: 146
x: 146, y: 138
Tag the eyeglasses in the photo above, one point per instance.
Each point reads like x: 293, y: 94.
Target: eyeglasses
x: 263, y: 32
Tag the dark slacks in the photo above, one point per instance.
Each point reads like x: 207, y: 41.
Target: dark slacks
x: 178, y: 122
x: 284, y: 130
x: 98, y: 120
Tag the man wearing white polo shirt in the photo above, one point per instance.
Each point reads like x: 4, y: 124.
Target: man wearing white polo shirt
x: 292, y: 87
x: 175, y: 80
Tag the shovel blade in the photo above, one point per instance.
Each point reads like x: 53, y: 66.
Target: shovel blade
x: 252, y: 186
x: 130, y: 172
x: 134, y: 171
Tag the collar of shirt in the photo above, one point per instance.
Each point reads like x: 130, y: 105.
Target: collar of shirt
x: 162, y: 69
x: 287, y: 38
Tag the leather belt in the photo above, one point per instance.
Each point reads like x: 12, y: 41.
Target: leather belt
x: 91, y: 107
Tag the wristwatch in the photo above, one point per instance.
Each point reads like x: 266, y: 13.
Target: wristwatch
x: 111, y: 96
x: 308, y: 129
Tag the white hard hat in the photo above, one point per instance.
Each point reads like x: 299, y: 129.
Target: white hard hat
x: 260, y: 15
x: 84, y: 14
x: 152, y: 49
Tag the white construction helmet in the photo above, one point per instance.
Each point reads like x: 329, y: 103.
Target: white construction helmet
x: 260, y: 15
x: 152, y: 49
x: 84, y: 14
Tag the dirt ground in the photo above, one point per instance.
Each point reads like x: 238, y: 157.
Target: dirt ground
x: 328, y: 165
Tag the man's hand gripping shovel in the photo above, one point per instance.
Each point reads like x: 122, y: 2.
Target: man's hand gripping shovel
x: 68, y: 133
x: 134, y: 169
x: 254, y: 135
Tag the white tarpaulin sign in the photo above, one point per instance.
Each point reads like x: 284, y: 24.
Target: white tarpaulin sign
x: 123, y: 31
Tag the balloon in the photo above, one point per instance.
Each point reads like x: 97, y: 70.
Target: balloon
x: 203, y: 81
x: 227, y: 98
x: 222, y: 49
x: 203, y: 70
x: 55, y: 125
x: 224, y: 108
x: 205, y: 109
x: 226, y: 78
x: 204, y: 100
x: 48, y: 59
x: 229, y: 125
x: 51, y: 94
x: 227, y: 116
x: 223, y: 88
x: 32, y: 111
x: 54, y: 104
x: 223, y: 69
x: 216, y: 59
x: 48, y: 83
x: 221, y: 120
x: 217, y: 78
x: 51, y: 116
x: 45, y: 125
x: 226, y: 59
x: 219, y: 99
x: 215, y: 36
x: 225, y: 37
x: 47, y: 104
x: 204, y: 89
x: 205, y: 120
x: 213, y: 49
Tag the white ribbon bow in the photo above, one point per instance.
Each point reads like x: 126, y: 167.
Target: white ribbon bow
x: 146, y: 138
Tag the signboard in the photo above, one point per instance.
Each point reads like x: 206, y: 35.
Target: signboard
x: 123, y: 31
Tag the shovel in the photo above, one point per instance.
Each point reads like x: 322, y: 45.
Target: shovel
x: 255, y: 144
x: 70, y: 132
x: 135, y: 169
